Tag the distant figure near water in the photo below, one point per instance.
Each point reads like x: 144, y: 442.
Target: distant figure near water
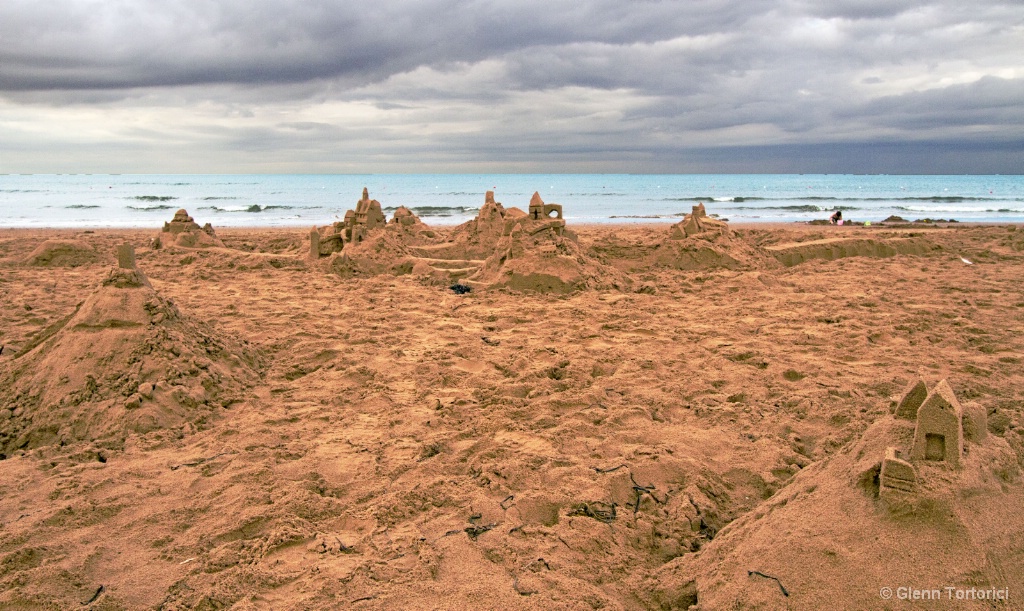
x: 836, y: 218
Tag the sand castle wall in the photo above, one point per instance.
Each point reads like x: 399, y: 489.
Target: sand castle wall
x: 830, y: 249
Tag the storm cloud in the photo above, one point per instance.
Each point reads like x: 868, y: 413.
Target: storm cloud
x: 442, y: 86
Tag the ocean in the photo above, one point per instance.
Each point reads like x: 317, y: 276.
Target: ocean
x: 273, y: 200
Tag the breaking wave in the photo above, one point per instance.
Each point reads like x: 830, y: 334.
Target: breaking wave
x: 250, y: 208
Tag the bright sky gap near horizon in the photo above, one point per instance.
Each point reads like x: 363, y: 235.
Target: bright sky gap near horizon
x: 322, y: 86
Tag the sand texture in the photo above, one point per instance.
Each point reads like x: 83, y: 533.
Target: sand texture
x: 647, y: 417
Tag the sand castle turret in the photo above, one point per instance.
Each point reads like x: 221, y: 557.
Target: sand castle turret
x: 539, y: 210
x: 181, y: 222
x: 941, y: 427
x: 939, y: 433
x: 366, y: 217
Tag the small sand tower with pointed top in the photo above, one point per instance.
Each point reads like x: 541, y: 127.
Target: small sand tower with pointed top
x: 939, y: 434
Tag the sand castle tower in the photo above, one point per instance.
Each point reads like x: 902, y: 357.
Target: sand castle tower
x: 125, y: 361
x: 366, y: 217
x: 539, y: 210
x: 183, y: 231
x: 939, y: 433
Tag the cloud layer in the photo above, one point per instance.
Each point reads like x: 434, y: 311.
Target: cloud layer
x: 442, y: 86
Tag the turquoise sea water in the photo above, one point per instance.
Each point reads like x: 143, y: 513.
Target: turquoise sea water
x: 442, y: 199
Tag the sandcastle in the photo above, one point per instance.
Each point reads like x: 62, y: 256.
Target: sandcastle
x: 941, y: 427
x: 700, y: 241
x: 365, y: 243
x: 533, y: 251
x: 501, y: 247
x: 125, y: 361
x: 404, y: 217
x: 358, y: 223
x: 697, y: 222
x: 183, y: 231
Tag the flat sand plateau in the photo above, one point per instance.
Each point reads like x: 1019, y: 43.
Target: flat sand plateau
x: 406, y: 447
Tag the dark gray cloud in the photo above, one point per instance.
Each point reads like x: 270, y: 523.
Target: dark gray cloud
x: 541, y: 86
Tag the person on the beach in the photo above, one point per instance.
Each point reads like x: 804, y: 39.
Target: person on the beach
x: 836, y: 217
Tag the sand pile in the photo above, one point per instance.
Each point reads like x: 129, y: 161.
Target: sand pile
x: 923, y: 500
x: 126, y: 361
x: 62, y: 253
x: 535, y: 252
x: 702, y: 242
x: 183, y: 231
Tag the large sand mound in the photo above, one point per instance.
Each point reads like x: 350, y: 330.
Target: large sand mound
x: 62, y: 253
x: 125, y: 361
x: 875, y: 515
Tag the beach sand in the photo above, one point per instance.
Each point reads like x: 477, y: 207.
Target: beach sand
x: 284, y: 434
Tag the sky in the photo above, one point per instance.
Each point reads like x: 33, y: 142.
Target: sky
x: 444, y: 86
